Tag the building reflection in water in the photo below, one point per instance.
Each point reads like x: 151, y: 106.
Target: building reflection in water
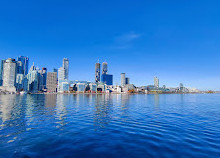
x: 61, y: 112
x: 156, y: 100
x: 103, y: 109
x: 12, y: 116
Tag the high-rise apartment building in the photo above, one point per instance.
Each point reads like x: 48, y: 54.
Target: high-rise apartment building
x: 23, y: 65
x: 66, y: 67
x: 52, y: 82
x: 104, y: 68
x: 9, y: 73
x: 97, y: 72
x: 123, y: 82
x: 156, y: 82
x: 61, y: 74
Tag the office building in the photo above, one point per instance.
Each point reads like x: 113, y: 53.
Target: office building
x: 97, y: 72
x: 23, y: 65
x: 104, y: 68
x: 123, y: 82
x: 51, y: 82
x: 107, y: 79
x: 61, y: 74
x: 19, y: 82
x: 9, y: 73
x: 66, y: 67
x: 55, y: 70
x: 156, y: 82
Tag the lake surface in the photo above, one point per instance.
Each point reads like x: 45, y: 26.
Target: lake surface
x: 110, y: 125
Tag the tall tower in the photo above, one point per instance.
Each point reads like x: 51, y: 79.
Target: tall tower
x: 9, y: 73
x: 66, y: 67
x: 23, y: 65
x: 156, y: 82
x: 97, y: 72
x: 1, y: 71
x: 123, y: 81
x: 104, y: 68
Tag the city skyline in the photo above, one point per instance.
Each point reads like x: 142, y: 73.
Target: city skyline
x: 175, y: 41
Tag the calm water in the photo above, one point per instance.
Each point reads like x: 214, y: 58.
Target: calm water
x: 110, y: 125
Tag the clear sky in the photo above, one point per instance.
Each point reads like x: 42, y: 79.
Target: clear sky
x: 177, y: 41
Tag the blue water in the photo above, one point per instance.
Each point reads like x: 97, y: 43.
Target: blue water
x: 116, y: 125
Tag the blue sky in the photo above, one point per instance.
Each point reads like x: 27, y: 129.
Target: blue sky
x: 177, y: 41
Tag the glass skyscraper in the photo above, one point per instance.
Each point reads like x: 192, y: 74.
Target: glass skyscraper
x: 107, y: 79
x: 66, y: 67
x: 123, y: 81
x: 23, y: 63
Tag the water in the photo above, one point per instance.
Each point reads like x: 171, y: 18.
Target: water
x: 110, y: 125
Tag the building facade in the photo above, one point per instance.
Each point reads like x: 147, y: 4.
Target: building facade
x: 23, y: 66
x: 97, y: 72
x: 107, y: 79
x: 51, y: 83
x: 61, y: 74
x: 104, y: 68
x: 1, y: 71
x: 66, y: 67
x: 123, y: 82
x: 9, y: 73
x: 156, y: 82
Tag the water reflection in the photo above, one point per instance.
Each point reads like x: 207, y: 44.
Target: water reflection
x: 103, y: 108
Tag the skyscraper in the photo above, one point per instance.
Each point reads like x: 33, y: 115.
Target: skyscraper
x: 9, y: 73
x: 97, y: 72
x: 61, y: 74
x: 23, y: 65
x: 156, y: 82
x: 1, y: 71
x: 123, y: 79
x: 51, y: 81
x: 104, y: 68
x: 66, y: 67
x: 44, y: 76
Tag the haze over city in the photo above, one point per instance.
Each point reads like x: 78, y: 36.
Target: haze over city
x: 175, y: 41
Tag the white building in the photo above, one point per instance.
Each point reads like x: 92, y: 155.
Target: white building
x: 9, y: 73
x: 61, y: 74
x: 156, y: 82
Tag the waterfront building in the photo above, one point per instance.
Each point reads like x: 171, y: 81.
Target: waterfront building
x: 93, y: 87
x: 181, y: 87
x: 63, y: 86
x: 9, y: 73
x: 51, y: 83
x: 33, y: 81
x: 61, y: 74
x: 123, y: 79
x: 104, y: 68
x: 81, y: 87
x: 156, y: 82
x: 19, y: 82
x: 44, y: 77
x: 66, y: 67
x: 107, y: 79
x: 97, y: 72
x: 127, y: 80
x: 1, y: 71
x: 23, y: 66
